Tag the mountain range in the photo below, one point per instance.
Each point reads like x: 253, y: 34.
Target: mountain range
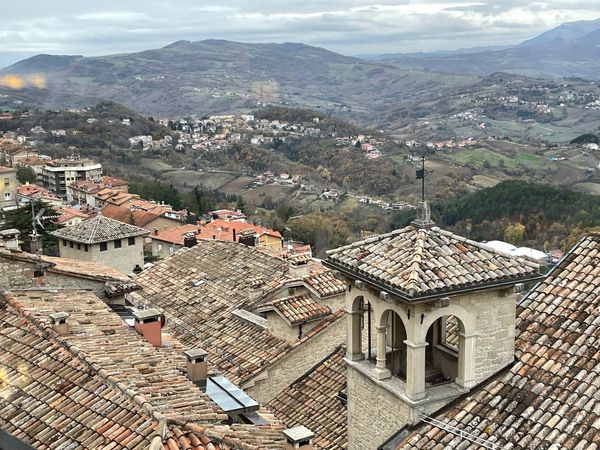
x: 215, y: 76
x: 569, y: 50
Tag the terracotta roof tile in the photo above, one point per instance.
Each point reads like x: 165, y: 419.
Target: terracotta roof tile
x: 415, y: 262
x: 72, y: 267
x: 314, y: 401
x: 101, y: 338
x: 326, y: 284
x: 199, y: 288
x: 300, y: 309
x: 549, y: 398
x: 124, y: 214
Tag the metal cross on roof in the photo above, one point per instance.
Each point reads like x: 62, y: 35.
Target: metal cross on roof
x: 421, y: 173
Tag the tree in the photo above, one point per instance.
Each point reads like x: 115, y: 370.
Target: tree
x: 20, y: 219
x: 25, y: 174
x: 515, y: 234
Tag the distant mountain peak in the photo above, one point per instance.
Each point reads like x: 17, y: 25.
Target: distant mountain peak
x: 566, y: 32
x: 179, y: 44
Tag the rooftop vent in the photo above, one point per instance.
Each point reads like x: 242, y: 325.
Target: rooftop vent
x: 299, y: 437
x: 60, y: 323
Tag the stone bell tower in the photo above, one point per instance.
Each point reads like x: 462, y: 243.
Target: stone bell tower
x: 430, y: 315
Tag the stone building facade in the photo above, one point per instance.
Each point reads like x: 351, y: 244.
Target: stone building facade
x: 107, y: 241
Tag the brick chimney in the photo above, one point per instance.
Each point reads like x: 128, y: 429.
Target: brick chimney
x: 149, y: 322
x: 197, y: 366
x: 60, y: 323
x: 298, y: 437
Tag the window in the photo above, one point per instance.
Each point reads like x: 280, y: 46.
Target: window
x: 118, y: 243
x: 85, y: 247
x: 171, y: 250
x: 78, y: 246
x: 64, y: 242
x: 131, y: 240
x: 7, y: 182
x: 103, y: 246
x: 159, y: 248
x: 7, y: 196
x: 71, y: 244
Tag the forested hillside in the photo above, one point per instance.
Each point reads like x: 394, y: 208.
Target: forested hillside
x: 519, y: 212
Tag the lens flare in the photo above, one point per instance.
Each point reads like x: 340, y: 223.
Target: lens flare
x: 19, y: 81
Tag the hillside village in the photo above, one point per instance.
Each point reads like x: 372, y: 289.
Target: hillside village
x: 211, y: 331
x: 279, y: 279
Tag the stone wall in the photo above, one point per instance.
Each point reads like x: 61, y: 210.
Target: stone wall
x: 123, y: 259
x: 16, y: 274
x: 495, y: 324
x: 374, y: 414
x: 297, y: 362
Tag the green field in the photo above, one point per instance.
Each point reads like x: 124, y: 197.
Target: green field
x: 588, y: 187
x: 478, y: 156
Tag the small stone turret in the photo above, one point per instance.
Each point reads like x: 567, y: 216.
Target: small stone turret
x: 423, y: 219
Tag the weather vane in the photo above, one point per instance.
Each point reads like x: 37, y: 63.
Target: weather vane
x: 421, y: 173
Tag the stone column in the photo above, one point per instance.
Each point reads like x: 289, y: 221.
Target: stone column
x: 466, y: 360
x: 415, y: 369
x: 382, y: 371
x: 354, y: 351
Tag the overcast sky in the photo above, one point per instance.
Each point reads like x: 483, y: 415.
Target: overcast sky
x: 351, y: 27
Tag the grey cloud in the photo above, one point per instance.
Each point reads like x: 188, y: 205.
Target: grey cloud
x: 347, y: 26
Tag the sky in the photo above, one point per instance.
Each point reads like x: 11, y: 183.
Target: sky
x: 351, y: 27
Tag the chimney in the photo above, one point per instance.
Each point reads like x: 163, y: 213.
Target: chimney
x: 10, y: 238
x: 189, y: 240
x: 298, y: 437
x: 60, y: 323
x: 155, y: 231
x: 197, y: 366
x: 149, y: 322
x: 299, y: 267
x: 255, y: 290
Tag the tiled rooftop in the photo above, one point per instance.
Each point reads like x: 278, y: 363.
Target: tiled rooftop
x: 198, y: 289
x: 300, y: 309
x: 113, y: 350
x: 49, y: 396
x: 98, y: 229
x: 72, y: 267
x: 549, y: 398
x: 314, y: 401
x: 234, y: 437
x: 326, y: 284
x: 124, y: 214
x: 416, y: 262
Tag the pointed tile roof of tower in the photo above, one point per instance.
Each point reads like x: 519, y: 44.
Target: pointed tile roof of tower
x: 98, y: 229
x: 422, y: 260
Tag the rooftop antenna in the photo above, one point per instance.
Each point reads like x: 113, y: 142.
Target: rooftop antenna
x: 36, y: 247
